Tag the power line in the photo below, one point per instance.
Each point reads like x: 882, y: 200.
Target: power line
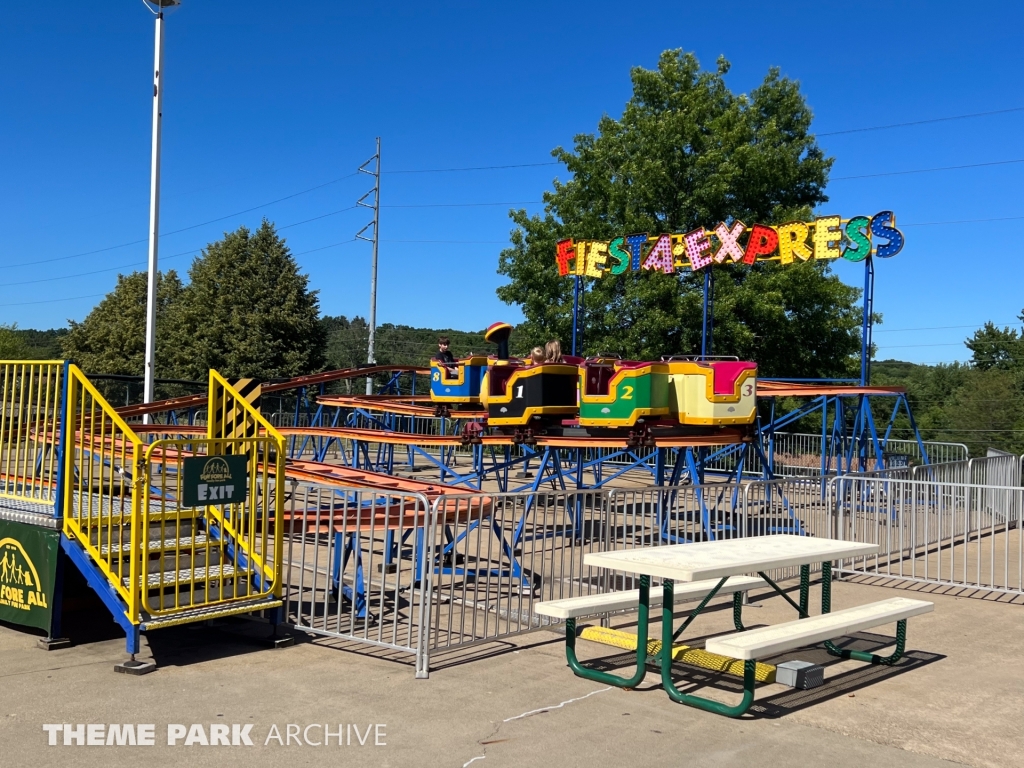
x: 944, y: 344
x: 473, y: 242
x: 478, y: 168
x: 926, y: 170
x: 53, y: 301
x: 317, y: 218
x: 100, y: 271
x: 934, y: 327
x: 325, y: 247
x: 175, y: 256
x: 462, y: 205
x: 176, y: 231
x: 961, y: 221
x: 535, y: 202
x: 922, y: 122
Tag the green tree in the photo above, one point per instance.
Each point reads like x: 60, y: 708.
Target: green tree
x: 12, y: 343
x: 248, y: 311
x: 687, y: 152
x: 112, y: 337
x: 987, y: 411
x: 1001, y: 348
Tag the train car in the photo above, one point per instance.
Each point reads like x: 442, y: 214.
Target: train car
x: 705, y: 392
x: 622, y: 393
x: 458, y: 383
x: 518, y: 395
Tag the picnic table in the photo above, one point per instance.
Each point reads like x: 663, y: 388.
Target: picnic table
x: 706, y: 568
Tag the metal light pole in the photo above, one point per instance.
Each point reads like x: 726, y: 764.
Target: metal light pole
x: 370, y: 357
x: 157, y: 6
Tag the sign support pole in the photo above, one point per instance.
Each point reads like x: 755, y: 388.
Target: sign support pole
x: 709, y: 310
x: 575, y: 312
x: 868, y: 321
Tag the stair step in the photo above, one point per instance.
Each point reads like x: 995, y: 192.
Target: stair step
x: 205, y: 613
x: 114, y: 534
x: 185, y: 576
x: 184, y: 543
x: 184, y: 598
x: 106, y: 518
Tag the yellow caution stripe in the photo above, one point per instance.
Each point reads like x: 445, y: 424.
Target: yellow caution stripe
x: 764, y: 673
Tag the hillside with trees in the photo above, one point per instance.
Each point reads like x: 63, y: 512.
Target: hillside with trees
x: 980, y: 403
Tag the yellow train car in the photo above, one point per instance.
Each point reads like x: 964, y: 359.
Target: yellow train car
x: 713, y: 392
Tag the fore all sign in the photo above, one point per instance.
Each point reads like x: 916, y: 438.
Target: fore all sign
x: 214, y: 480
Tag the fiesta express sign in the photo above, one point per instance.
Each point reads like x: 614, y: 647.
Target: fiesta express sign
x: 825, y: 238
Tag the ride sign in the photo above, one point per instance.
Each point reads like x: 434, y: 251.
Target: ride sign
x: 214, y: 480
x: 825, y: 238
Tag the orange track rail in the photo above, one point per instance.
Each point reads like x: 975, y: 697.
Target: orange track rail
x: 769, y: 388
x: 196, y: 401
x: 405, y: 405
x: 722, y: 437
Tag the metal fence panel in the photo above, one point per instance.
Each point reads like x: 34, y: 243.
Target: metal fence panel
x: 944, y: 533
x: 496, y: 556
x: 799, y: 454
x: 358, y: 565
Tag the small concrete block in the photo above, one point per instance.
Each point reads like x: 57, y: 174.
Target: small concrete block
x: 285, y: 641
x: 800, y: 674
x: 53, y: 643
x: 387, y: 567
x: 135, y: 667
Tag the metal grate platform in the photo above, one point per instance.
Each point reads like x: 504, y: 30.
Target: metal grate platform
x: 31, y: 512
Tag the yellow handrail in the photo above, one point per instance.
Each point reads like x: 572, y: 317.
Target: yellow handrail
x: 225, y: 401
x: 95, y: 431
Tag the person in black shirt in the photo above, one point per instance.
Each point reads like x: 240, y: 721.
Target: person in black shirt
x: 445, y: 356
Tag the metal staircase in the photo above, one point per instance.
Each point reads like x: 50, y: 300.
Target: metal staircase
x: 157, y: 557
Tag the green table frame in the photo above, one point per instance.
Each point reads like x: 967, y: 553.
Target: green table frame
x: 668, y: 637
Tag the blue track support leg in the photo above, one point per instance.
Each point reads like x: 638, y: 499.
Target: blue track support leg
x: 390, y: 547
x: 344, y: 549
x: 420, y: 559
x: 705, y: 515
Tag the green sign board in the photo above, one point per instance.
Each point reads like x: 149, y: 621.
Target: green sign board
x: 214, y: 480
x: 28, y: 570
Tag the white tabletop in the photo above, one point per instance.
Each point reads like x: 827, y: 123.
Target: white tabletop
x: 727, y: 557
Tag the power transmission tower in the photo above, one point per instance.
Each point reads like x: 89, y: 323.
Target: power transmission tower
x: 375, y: 205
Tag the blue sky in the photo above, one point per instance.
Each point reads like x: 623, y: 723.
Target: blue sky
x: 266, y: 99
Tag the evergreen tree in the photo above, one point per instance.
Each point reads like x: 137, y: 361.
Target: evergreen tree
x: 248, y: 311
x: 994, y: 347
x: 112, y: 337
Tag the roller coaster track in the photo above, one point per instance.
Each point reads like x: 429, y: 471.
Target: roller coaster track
x: 387, y: 437
x: 770, y: 388
x: 314, y: 379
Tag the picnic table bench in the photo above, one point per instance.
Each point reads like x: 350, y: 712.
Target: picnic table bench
x: 707, y: 568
